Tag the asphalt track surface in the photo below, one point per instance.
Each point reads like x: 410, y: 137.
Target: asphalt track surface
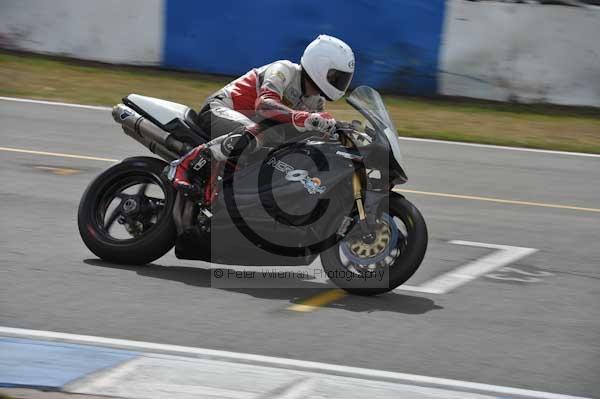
x: 535, y: 325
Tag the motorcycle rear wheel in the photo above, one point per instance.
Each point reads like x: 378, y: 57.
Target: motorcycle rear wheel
x: 146, y: 220
x: 411, y: 245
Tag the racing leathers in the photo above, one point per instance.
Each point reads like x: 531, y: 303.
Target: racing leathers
x: 240, y: 116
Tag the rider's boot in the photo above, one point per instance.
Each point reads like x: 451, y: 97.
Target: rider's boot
x: 190, y: 172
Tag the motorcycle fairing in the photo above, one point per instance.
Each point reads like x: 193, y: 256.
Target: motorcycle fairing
x: 279, y: 171
x: 278, y: 209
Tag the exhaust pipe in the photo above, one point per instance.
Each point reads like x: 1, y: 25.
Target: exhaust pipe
x: 148, y: 134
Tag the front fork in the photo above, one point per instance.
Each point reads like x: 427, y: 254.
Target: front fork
x: 357, y: 189
x: 356, y: 184
x: 367, y: 236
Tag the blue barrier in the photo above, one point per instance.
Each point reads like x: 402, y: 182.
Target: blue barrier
x: 396, y: 42
x: 51, y: 365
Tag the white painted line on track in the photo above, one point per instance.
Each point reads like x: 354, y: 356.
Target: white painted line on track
x: 449, y: 281
x: 460, y: 143
x: 500, y: 147
x: 300, y: 389
x: 277, y: 362
x: 417, y: 288
x: 60, y: 104
x: 498, y: 200
x: 121, y: 378
x: 178, y: 377
x: 57, y: 154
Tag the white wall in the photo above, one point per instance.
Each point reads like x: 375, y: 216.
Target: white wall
x: 492, y: 50
x: 527, y: 52
x: 117, y: 31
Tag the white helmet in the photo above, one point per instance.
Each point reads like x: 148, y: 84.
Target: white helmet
x: 329, y: 62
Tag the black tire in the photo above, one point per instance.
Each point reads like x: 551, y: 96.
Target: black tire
x: 401, y: 270
x: 139, y: 250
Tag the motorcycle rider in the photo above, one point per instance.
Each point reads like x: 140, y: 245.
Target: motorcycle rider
x: 239, y: 115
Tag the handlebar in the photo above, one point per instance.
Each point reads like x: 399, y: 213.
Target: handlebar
x: 351, y: 128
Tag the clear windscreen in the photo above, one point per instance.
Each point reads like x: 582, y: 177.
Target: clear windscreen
x: 369, y: 103
x: 366, y: 99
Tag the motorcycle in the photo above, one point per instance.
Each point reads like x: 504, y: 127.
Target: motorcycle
x: 287, y: 205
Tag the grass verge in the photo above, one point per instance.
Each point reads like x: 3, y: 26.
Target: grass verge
x: 535, y: 125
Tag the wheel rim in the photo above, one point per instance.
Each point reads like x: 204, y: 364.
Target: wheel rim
x: 388, y: 246
x: 129, y: 207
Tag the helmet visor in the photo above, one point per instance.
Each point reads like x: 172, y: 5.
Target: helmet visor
x: 338, y: 79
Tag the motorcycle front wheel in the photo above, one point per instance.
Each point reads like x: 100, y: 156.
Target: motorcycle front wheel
x: 125, y: 214
x: 389, y: 260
